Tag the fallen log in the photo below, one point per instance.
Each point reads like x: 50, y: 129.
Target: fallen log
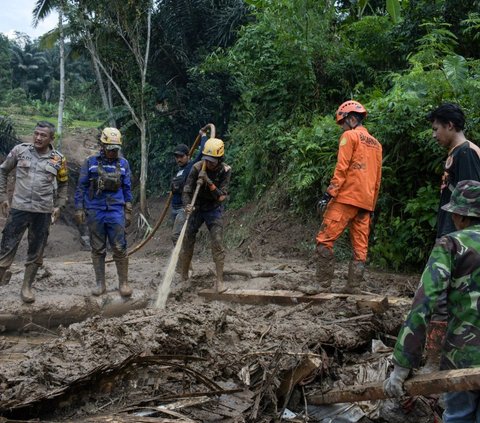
x: 250, y: 274
x: 377, y: 304
x: 424, y: 384
x: 78, y: 309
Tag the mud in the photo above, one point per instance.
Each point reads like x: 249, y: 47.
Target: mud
x: 72, y: 357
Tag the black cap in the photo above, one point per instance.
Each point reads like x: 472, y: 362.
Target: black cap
x: 181, y: 150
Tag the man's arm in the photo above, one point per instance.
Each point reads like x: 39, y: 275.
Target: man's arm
x: 62, y: 183
x: 346, y: 147
x: 435, y: 280
x: 82, y: 186
x: 378, y: 181
x: 5, y: 168
x: 127, y: 184
x: 221, y: 192
x: 203, y: 140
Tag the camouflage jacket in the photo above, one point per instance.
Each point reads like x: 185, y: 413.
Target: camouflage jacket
x: 454, y: 267
x: 41, y: 180
x: 207, y: 199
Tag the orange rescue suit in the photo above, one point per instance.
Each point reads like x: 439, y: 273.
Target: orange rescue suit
x: 357, y: 176
x: 355, y: 186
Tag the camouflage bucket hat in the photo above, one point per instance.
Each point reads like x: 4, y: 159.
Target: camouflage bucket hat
x: 465, y: 199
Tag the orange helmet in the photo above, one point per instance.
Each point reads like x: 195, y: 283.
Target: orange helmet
x: 348, y: 107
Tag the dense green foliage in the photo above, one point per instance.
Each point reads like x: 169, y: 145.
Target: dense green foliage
x: 29, y: 80
x: 270, y: 74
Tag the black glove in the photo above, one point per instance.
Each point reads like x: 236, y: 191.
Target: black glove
x: 322, y: 203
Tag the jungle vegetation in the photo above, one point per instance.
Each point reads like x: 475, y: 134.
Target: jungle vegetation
x: 270, y: 74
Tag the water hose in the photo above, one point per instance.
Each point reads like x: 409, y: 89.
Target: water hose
x: 170, y: 195
x: 167, y: 204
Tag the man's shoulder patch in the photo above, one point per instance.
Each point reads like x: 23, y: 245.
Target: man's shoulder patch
x: 343, y: 141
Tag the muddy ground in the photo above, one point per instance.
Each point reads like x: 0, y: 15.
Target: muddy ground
x: 72, y: 357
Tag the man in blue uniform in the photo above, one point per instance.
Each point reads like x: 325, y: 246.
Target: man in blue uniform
x: 182, y: 157
x: 104, y: 200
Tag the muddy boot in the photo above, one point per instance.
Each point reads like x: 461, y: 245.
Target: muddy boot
x: 325, y: 266
x: 356, y: 270
x: 219, y: 286
x: 433, y: 347
x: 184, y: 264
x: 26, y: 293
x: 122, y: 271
x: 5, y: 276
x: 183, y: 269
x: 99, y: 268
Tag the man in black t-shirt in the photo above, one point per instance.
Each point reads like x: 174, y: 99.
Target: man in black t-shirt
x: 463, y: 163
x: 463, y: 160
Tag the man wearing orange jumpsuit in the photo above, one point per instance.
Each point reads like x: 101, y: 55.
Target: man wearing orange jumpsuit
x: 351, y: 196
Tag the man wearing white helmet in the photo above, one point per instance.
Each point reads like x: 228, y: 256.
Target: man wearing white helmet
x: 215, y: 178
x: 103, y: 200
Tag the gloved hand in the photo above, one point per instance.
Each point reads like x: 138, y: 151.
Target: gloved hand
x: 55, y: 214
x: 5, y: 208
x: 189, y: 209
x: 322, y: 203
x: 80, y: 216
x: 128, y: 214
x: 393, y: 386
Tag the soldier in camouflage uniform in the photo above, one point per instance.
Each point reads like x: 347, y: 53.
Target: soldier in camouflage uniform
x: 454, y: 268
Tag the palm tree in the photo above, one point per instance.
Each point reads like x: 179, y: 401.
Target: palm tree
x: 42, y: 9
x: 29, y: 65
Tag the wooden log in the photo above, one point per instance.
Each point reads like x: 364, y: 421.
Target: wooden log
x: 425, y: 384
x: 378, y: 304
x: 297, y: 374
x: 41, y: 314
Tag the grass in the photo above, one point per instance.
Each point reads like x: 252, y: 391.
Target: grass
x: 24, y: 123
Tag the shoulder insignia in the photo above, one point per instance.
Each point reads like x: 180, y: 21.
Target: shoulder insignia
x: 343, y: 141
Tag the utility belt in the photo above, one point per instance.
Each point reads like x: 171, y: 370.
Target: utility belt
x: 106, y: 181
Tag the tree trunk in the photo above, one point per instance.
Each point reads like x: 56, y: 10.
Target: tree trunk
x: 61, y: 100
x: 143, y: 166
x: 98, y: 75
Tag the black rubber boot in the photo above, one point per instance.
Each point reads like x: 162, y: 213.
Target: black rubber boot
x: 122, y: 271
x: 5, y: 276
x: 99, y: 269
x: 26, y: 293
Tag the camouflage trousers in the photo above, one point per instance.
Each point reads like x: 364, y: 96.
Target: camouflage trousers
x: 18, y: 221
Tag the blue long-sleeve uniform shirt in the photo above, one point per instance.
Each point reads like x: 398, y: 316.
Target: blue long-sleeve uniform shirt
x: 87, y: 198
x: 181, y: 175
